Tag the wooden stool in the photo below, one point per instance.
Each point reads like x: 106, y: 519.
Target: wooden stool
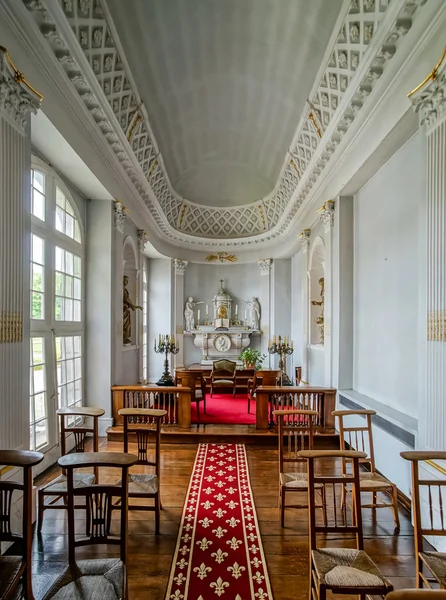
x: 13, y: 568
x: 146, y: 424
x: 57, y: 488
x: 104, y: 578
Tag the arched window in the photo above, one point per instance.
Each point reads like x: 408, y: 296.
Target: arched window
x: 56, y: 304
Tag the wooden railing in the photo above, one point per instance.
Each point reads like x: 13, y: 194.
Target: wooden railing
x: 322, y: 400
x: 175, y: 400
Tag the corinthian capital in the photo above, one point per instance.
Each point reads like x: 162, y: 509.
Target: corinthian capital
x: 429, y: 98
x: 265, y: 266
x: 120, y: 213
x: 304, y: 238
x: 326, y: 215
x: 180, y: 266
x: 17, y: 97
x: 142, y: 239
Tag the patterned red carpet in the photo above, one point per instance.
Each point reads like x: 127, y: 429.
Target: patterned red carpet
x: 223, y: 408
x: 219, y: 551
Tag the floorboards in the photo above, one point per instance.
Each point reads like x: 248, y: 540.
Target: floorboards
x: 286, y: 550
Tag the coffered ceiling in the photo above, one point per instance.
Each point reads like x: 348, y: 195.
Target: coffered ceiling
x: 224, y: 83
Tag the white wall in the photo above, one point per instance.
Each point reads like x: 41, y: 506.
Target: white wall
x: 386, y: 280
x: 159, y: 310
x: 296, y: 306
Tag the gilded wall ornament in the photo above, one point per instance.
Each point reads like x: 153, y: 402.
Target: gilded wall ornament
x: 222, y: 257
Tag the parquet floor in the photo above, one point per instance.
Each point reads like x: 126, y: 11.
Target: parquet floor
x: 286, y: 550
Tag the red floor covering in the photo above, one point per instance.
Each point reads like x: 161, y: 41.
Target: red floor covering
x: 223, y: 408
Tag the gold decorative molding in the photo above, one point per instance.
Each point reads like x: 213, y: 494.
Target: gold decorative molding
x: 152, y: 166
x: 183, y: 214
x: 436, y: 326
x: 18, y: 76
x: 316, y: 126
x: 431, y: 77
x: 133, y: 126
x: 11, y: 327
x: 222, y: 257
x: 295, y: 167
x: 262, y: 216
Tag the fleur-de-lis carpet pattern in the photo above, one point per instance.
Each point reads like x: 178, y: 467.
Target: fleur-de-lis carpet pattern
x: 219, y: 551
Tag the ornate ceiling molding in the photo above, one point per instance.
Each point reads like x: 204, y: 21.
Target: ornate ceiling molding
x: 82, y: 41
x: 17, y: 97
x: 429, y: 98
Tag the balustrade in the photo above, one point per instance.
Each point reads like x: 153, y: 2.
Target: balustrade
x: 173, y: 399
x: 321, y: 400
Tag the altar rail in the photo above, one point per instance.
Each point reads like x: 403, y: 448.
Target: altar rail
x: 175, y: 400
x: 322, y: 400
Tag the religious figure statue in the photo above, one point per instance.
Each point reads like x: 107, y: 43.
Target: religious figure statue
x: 127, y: 306
x: 254, y: 312
x: 320, y: 319
x: 189, y: 315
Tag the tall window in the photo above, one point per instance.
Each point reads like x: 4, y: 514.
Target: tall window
x: 56, y: 290
x: 144, y: 320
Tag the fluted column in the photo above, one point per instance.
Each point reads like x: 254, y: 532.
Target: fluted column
x: 179, y: 268
x: 17, y: 101
x: 119, y: 218
x: 142, y: 241
x: 266, y: 316
x: 305, y: 237
x: 327, y: 219
x: 429, y: 100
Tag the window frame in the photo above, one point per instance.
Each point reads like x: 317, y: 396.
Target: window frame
x: 49, y: 328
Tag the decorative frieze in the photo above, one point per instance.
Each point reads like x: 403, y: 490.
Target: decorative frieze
x: 142, y: 239
x: 17, y: 97
x: 265, y: 266
x: 304, y: 237
x: 429, y: 98
x: 180, y: 266
x: 11, y: 327
x: 326, y: 215
x: 120, y: 215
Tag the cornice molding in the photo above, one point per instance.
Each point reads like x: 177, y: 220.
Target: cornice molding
x: 429, y: 98
x: 180, y: 221
x: 17, y: 97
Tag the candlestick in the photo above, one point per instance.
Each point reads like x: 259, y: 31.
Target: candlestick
x: 166, y: 346
x: 198, y: 317
x: 282, y: 348
x: 236, y: 309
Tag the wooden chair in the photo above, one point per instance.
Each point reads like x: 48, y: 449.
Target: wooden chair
x: 194, y: 380
x: 146, y: 424
x: 57, y: 488
x: 295, y: 434
x: 263, y: 377
x: 223, y: 374
x: 15, y: 569
x: 298, y: 371
x: 360, y: 437
x: 339, y: 570
x: 428, y: 519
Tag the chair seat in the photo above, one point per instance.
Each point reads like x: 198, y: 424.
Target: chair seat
x: 60, y: 483
x: 373, y: 482
x: 10, y: 570
x: 101, y: 579
x: 142, y: 484
x: 296, y: 481
x: 198, y: 395
x: 224, y: 381
x: 436, y: 561
x: 346, y: 567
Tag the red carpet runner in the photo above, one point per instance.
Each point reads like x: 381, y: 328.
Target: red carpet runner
x: 219, y: 551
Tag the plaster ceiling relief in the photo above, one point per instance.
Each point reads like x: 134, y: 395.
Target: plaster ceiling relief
x: 149, y: 86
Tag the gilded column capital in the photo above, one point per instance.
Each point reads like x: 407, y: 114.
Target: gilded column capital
x: 143, y: 238
x: 17, y: 97
x: 429, y: 98
x: 120, y: 215
x: 265, y: 266
x: 304, y: 238
x: 180, y: 266
x: 326, y: 215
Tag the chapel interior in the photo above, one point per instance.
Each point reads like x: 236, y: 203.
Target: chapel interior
x: 222, y: 299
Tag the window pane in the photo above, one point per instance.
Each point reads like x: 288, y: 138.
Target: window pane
x: 38, y: 395
x: 37, y: 278
x: 38, y: 181
x: 37, y: 275
x: 60, y: 219
x: 37, y: 249
x: 39, y: 407
x: 38, y: 194
x: 66, y: 221
x: 41, y: 434
x: 36, y: 305
x: 69, y: 370
x: 60, y: 198
x: 67, y: 286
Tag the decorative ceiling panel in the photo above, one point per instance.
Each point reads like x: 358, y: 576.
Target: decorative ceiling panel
x: 79, y: 33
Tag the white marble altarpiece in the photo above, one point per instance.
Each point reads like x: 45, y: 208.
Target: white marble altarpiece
x: 226, y: 335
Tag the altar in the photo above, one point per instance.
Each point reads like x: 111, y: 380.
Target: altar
x: 226, y: 335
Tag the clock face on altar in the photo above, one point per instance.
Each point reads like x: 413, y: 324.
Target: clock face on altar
x: 222, y: 343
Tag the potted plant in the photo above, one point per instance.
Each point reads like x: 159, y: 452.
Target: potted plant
x: 253, y: 359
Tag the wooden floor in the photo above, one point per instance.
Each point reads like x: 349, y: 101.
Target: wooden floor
x: 286, y: 550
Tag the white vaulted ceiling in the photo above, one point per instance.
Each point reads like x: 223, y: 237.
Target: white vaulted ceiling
x: 224, y: 83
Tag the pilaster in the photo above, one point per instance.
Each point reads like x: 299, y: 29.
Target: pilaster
x: 179, y: 269
x: 17, y: 100
x: 266, y: 267
x: 143, y: 238
x: 305, y: 238
x: 120, y: 215
x: 327, y: 216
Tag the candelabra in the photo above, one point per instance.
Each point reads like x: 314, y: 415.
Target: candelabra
x: 166, y: 345
x: 283, y: 348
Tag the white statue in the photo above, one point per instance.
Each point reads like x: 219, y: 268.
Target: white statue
x: 254, y: 313
x: 189, y: 315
